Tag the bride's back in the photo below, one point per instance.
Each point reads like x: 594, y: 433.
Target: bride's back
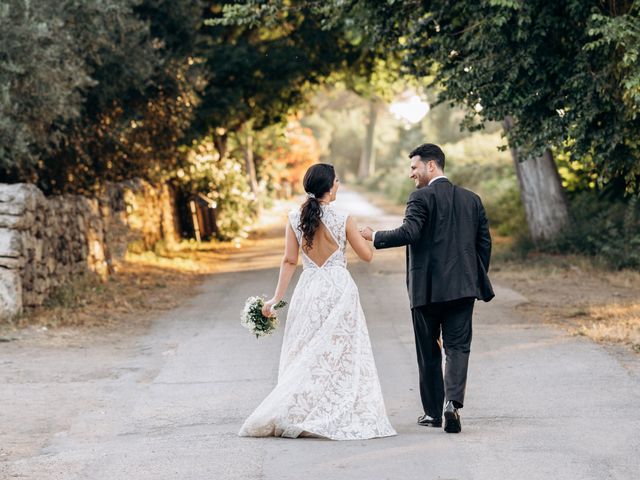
x: 322, y: 247
x: 328, y: 241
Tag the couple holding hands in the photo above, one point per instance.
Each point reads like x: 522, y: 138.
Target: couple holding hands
x: 328, y: 384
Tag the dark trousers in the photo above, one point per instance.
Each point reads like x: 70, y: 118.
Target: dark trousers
x: 453, y: 319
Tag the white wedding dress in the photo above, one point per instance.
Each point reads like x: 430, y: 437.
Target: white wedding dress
x: 327, y: 380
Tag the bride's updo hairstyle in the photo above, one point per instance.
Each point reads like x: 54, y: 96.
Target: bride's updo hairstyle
x: 317, y: 182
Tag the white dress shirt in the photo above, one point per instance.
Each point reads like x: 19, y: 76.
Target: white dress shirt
x: 373, y: 235
x: 436, y: 178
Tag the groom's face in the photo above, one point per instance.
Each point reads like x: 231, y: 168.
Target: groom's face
x: 419, y: 172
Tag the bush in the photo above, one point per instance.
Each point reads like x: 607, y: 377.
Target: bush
x: 224, y: 183
x: 605, y: 228
x: 77, y: 107
x: 506, y: 213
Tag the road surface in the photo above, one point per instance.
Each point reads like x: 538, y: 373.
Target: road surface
x: 167, y: 404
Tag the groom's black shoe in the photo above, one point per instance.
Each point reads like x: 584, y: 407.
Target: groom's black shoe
x: 427, y: 421
x: 451, y: 418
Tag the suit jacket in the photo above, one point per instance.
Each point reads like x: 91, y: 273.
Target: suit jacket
x: 448, y: 244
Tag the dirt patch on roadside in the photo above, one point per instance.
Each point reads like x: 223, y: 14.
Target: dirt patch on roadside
x: 573, y: 293
x: 88, y: 308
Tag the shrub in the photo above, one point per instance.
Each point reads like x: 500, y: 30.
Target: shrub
x: 77, y: 107
x: 224, y: 183
x: 605, y: 228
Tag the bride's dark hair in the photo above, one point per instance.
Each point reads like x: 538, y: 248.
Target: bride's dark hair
x: 317, y: 182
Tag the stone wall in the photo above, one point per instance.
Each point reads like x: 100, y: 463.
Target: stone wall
x: 46, y: 241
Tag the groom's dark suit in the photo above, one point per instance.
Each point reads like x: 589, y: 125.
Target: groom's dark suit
x: 448, y: 244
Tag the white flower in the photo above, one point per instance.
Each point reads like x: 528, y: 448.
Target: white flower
x: 251, y: 317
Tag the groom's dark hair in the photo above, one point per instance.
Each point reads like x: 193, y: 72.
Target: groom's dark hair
x: 428, y: 152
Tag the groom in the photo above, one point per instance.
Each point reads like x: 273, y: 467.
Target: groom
x: 448, y: 249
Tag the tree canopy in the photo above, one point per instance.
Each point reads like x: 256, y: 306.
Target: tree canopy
x: 96, y: 91
x: 567, y: 73
x: 93, y: 91
x: 90, y: 90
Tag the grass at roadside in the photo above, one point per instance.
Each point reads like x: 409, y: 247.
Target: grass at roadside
x: 130, y: 297
x: 612, y: 323
x: 575, y: 292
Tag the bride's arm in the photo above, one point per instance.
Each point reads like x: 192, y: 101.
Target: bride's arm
x: 359, y: 244
x: 287, y: 269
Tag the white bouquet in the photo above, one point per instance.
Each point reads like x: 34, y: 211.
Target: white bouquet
x: 253, y: 319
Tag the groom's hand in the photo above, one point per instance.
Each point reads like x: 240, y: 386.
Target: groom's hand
x: 366, y: 233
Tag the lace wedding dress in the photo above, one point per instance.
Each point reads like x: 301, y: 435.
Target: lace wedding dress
x: 327, y: 379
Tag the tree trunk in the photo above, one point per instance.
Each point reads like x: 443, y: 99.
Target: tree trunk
x: 220, y: 142
x: 250, y: 165
x: 367, y: 159
x: 545, y: 204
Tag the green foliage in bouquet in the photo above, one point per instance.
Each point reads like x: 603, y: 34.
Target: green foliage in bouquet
x: 253, y: 319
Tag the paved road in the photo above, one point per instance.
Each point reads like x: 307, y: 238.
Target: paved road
x: 167, y: 404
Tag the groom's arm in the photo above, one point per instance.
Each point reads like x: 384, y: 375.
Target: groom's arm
x: 415, y: 217
x: 483, y: 239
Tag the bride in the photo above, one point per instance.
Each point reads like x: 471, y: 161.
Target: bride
x: 327, y: 379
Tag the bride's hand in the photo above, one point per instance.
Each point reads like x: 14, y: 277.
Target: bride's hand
x: 267, y: 308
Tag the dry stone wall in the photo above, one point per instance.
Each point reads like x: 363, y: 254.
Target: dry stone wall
x: 46, y: 241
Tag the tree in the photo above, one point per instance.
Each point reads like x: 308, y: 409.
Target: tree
x: 427, y: 52
x: 560, y: 74
x: 41, y: 83
x: 257, y: 75
x: 367, y: 159
x: 316, y: 50
x: 284, y: 155
x: 566, y: 72
x: 541, y: 68
x: 545, y: 204
x: 78, y: 108
x: 546, y: 65
x: 262, y: 73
